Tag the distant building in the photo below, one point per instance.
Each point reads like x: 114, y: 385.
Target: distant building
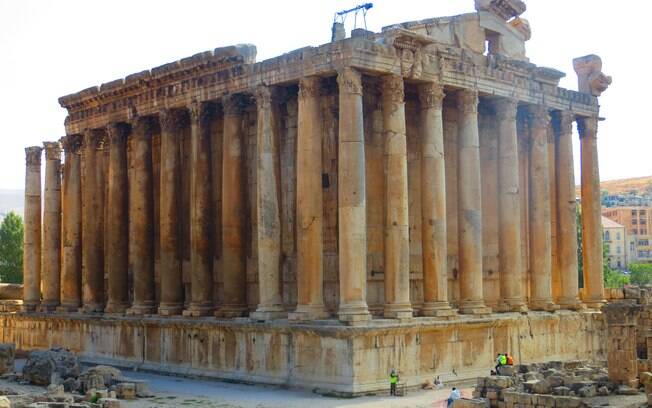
x: 637, y: 221
x: 615, y: 243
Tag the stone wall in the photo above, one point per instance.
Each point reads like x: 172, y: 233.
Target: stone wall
x: 328, y: 357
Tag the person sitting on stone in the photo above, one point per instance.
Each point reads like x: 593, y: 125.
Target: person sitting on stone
x: 499, y: 361
x: 455, y: 395
x: 438, y: 383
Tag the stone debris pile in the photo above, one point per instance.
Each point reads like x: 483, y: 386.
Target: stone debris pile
x: 67, y: 386
x: 569, y: 384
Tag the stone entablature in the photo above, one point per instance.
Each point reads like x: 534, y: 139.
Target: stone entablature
x: 229, y: 70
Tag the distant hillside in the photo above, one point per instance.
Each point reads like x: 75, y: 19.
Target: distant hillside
x: 636, y: 185
x: 11, y: 200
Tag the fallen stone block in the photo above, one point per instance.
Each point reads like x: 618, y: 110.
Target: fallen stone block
x: 5, y: 402
x: 587, y: 391
x: 41, y: 365
x: 537, y: 386
x: 7, y: 357
x: 126, y: 391
x: 626, y: 390
x: 506, y: 370
x: 603, y: 391
x: 109, y: 403
x: 470, y: 403
x: 645, y: 378
x: 499, y: 381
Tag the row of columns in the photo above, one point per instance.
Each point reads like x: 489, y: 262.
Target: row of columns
x: 130, y: 201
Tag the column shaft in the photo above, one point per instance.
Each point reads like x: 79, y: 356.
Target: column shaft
x: 233, y: 211
x: 117, y: 224
x: 540, y: 239
x: 172, y: 289
x: 567, y: 217
x: 433, y: 202
x: 201, y: 275
x: 397, y: 245
x: 591, y: 213
x: 51, y: 272
x: 268, y: 239
x: 32, y: 234
x: 509, y: 209
x: 92, y: 240
x: 310, y: 271
x: 470, y: 206
x: 72, y: 226
x: 141, y: 217
x: 352, y: 228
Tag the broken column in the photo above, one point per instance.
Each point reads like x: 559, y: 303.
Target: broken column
x: 32, y: 234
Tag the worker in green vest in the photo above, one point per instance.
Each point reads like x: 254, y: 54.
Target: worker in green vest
x: 393, y: 380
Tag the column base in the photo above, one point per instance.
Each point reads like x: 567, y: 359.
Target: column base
x: 354, y: 313
x: 116, y: 307
x: 545, y: 305
x: 507, y: 305
x: 140, y: 309
x: 437, y: 309
x: 92, y: 308
x: 570, y: 304
x: 474, y: 307
x: 68, y: 308
x: 198, y: 309
x: 232, y: 311
x: 29, y: 307
x: 398, y: 311
x: 48, y: 306
x: 309, y: 312
x: 273, y: 312
x: 595, y: 303
x: 170, y: 309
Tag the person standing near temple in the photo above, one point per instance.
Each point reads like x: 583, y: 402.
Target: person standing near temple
x: 393, y: 380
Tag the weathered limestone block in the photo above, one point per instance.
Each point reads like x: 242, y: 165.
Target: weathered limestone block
x: 11, y: 291
x: 7, y: 356
x: 5, y: 402
x: 41, y: 365
x: 590, y: 78
x: 109, y: 403
x: 471, y: 403
x: 125, y: 390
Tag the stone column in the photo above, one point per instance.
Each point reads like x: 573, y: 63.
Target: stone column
x: 233, y: 211
x: 469, y: 206
x: 172, y: 290
x: 268, y: 239
x: 141, y: 217
x: 92, y: 241
x: 51, y: 256
x: 32, y: 234
x: 540, y: 241
x: 72, y: 225
x: 433, y: 203
x: 509, y: 208
x: 397, y: 245
x: 591, y: 213
x: 201, y: 273
x: 310, y: 270
x: 351, y: 202
x: 117, y: 224
x: 566, y: 221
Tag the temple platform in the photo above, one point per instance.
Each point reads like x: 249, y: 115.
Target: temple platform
x: 325, y: 356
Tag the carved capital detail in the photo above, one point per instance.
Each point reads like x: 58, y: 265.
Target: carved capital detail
x: 71, y: 143
x: 393, y: 89
x: 587, y: 127
x: 309, y: 87
x: 52, y: 150
x: 538, y: 116
x: 199, y: 112
x: 349, y: 81
x: 142, y: 127
x: 562, y: 122
x: 263, y: 96
x: 93, y: 139
x: 117, y: 132
x: 506, y: 108
x: 171, y: 120
x: 431, y: 95
x: 467, y: 101
x: 232, y: 105
x: 33, y: 155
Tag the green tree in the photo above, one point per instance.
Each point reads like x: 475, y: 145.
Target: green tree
x: 612, y: 278
x: 640, y: 274
x: 11, y: 249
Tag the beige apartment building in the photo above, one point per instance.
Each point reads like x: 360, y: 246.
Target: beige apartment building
x: 636, y: 221
x: 615, y: 242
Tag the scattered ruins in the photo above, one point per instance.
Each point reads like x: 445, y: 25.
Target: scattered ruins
x: 402, y: 199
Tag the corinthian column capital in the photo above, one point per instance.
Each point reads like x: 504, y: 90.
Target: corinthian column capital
x: 538, y: 116
x: 232, y: 105
x: 467, y: 101
x: 506, y: 108
x: 431, y: 95
x: 393, y: 90
x: 71, y: 143
x: 52, y: 150
x: 93, y: 139
x: 142, y: 127
x: 33, y: 155
x: 349, y: 81
x: 117, y: 132
x: 309, y: 87
x: 588, y: 127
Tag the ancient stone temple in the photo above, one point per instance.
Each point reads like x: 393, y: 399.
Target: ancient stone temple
x: 396, y: 199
